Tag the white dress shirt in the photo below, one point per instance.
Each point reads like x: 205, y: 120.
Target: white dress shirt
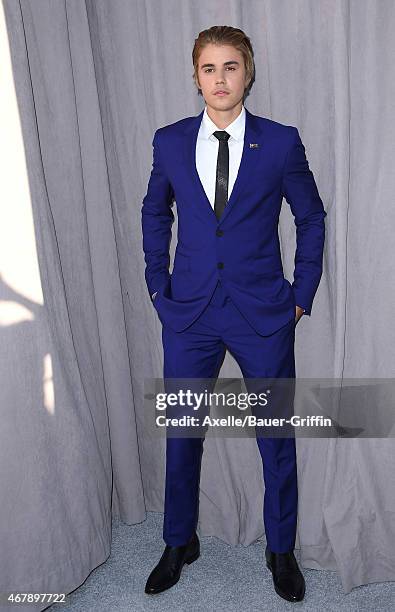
x: 207, y: 152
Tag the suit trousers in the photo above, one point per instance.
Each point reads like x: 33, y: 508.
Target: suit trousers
x: 198, y: 351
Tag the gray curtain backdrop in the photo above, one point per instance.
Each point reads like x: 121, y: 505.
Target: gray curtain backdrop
x: 94, y: 80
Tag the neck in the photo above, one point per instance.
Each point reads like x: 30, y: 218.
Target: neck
x: 223, y: 118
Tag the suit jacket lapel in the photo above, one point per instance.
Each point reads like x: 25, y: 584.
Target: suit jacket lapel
x: 249, y: 160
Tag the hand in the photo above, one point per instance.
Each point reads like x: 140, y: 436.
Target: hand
x: 298, y: 313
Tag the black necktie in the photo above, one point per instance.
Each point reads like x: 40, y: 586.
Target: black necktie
x: 222, y: 176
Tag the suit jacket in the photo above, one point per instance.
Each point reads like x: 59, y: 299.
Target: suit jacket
x: 242, y: 248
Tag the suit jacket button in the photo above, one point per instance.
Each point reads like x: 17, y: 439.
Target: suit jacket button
x: 219, y: 232
x: 220, y: 264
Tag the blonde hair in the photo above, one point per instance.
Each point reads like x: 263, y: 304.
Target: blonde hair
x: 225, y: 35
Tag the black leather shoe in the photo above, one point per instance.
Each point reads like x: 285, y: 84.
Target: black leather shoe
x: 168, y: 570
x: 287, y: 578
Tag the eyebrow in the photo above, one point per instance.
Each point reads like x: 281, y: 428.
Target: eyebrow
x: 225, y: 64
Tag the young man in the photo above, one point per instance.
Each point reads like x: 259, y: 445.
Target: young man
x: 228, y: 171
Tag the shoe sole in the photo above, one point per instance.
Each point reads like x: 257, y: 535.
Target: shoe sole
x: 284, y: 595
x: 190, y: 560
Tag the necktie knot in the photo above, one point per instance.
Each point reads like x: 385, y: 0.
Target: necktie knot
x: 221, y: 135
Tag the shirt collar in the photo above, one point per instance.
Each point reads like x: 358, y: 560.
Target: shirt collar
x: 235, y: 129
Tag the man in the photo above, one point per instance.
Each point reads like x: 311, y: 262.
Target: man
x: 228, y: 171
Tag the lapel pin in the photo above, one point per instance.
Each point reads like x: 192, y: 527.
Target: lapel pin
x: 254, y: 145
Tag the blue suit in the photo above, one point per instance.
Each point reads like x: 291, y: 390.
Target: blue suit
x: 227, y: 291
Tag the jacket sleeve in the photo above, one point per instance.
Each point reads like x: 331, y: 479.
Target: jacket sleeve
x: 301, y: 193
x: 157, y: 218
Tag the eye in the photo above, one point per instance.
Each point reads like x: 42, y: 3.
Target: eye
x: 228, y: 67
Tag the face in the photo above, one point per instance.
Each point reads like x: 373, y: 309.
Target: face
x: 222, y: 68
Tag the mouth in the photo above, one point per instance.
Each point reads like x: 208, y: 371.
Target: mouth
x: 221, y: 93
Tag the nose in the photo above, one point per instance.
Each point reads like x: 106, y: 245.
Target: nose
x: 220, y: 79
